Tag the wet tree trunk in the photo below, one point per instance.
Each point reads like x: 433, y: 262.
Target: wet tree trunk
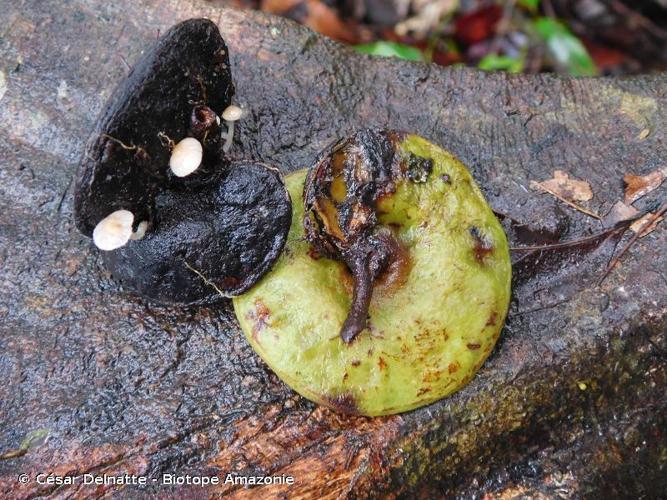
x: 93, y: 380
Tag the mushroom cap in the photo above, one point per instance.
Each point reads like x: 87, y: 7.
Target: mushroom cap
x: 186, y: 157
x: 232, y: 113
x: 114, y: 231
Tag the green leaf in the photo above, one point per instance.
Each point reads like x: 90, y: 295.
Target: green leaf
x: 494, y: 62
x: 34, y: 438
x: 31, y: 440
x: 390, y: 49
x: 531, y: 5
x: 565, y: 48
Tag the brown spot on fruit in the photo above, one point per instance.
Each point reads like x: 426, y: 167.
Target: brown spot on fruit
x: 396, y: 273
x: 493, y: 319
x: 344, y: 403
x: 453, y: 367
x: 482, y: 246
x: 381, y: 363
x: 347, y: 280
x: 355, y: 362
x: 259, y: 317
x: 473, y: 347
x: 313, y: 253
x: 423, y: 391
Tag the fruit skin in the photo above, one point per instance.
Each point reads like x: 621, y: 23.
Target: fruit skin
x: 430, y: 327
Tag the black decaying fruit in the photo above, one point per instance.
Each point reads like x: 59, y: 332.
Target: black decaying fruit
x: 127, y: 156
x: 212, y: 233
x: 238, y: 224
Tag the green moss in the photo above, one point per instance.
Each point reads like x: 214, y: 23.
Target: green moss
x: 429, y: 332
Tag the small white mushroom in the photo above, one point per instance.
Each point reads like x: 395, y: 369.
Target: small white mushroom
x: 186, y: 157
x: 114, y: 230
x: 231, y: 114
x: 141, y: 231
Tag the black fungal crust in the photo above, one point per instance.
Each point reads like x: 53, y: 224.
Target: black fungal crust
x: 213, y: 241
x: 126, y: 161
x: 419, y: 169
x: 340, y: 221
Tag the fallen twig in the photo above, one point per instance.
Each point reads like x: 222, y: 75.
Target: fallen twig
x: 614, y: 262
x: 622, y: 226
x: 568, y: 202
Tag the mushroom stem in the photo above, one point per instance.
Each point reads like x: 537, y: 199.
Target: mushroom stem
x: 229, y: 136
x: 231, y: 114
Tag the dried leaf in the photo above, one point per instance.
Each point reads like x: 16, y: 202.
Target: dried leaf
x: 637, y: 186
x: 568, y: 188
x: 645, y: 225
x: 315, y: 14
x: 324, y: 19
x: 618, y: 213
x: 651, y: 221
x: 428, y: 14
x: 278, y: 6
x: 478, y: 25
x: 549, y: 261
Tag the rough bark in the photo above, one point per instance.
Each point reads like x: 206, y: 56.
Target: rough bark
x: 571, y: 402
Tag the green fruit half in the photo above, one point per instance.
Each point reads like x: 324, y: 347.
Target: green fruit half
x: 431, y: 324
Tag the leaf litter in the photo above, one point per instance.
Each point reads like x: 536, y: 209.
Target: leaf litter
x: 621, y: 216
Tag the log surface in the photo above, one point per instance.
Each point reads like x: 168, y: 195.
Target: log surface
x: 571, y: 402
